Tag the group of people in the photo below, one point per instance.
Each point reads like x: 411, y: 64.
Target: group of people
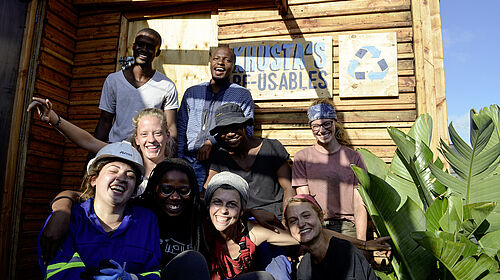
x: 195, y: 195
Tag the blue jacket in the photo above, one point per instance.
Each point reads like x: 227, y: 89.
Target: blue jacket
x: 135, y: 241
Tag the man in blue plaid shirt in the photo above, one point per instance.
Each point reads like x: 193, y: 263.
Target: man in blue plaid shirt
x: 196, y: 113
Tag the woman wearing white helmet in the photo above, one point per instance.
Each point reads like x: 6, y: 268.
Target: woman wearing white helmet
x: 151, y: 138
x: 106, y: 233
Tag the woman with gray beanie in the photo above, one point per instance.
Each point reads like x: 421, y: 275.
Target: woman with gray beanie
x: 232, y: 251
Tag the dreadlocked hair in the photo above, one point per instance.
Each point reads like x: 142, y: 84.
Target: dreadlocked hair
x: 150, y: 196
x: 340, y: 133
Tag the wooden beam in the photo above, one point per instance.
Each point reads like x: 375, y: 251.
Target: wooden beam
x: 122, y: 42
x: 16, y: 152
x: 282, y: 7
x: 429, y: 75
x: 437, y: 43
x: 114, y: 2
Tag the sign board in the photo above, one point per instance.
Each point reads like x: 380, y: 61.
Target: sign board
x: 368, y: 65
x: 293, y: 69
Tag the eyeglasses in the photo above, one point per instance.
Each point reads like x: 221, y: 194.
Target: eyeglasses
x: 325, y: 125
x: 168, y: 190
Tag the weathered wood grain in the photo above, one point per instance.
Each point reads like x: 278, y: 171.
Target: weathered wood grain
x: 316, y: 25
x: 312, y: 10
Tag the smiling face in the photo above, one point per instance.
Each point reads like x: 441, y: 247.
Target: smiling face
x: 225, y: 209
x: 145, y: 48
x: 323, y: 130
x: 114, y: 184
x: 173, y: 203
x: 232, y: 135
x: 222, y: 64
x: 303, y: 222
x: 152, y: 138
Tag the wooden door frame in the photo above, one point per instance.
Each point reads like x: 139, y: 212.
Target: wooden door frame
x: 18, y: 138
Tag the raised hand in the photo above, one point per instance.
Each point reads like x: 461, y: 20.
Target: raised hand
x: 44, y: 108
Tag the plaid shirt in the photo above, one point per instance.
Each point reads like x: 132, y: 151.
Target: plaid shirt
x: 196, y: 113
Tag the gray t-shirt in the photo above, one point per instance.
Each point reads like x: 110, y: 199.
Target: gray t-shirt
x: 123, y: 100
x: 264, y: 189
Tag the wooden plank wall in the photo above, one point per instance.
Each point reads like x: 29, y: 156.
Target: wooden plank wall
x: 79, y: 49
x: 97, y: 35
x: 44, y: 159
x: 365, y: 119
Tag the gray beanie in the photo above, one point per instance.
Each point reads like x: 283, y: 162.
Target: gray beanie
x: 227, y: 178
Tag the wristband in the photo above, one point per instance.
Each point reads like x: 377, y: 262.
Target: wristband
x: 60, y: 197
x: 57, y: 123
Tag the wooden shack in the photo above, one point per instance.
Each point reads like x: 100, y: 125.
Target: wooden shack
x: 70, y: 46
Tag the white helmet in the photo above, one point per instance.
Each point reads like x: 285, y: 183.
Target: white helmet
x: 122, y: 150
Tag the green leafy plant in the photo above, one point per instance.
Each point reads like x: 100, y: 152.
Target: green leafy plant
x: 442, y: 226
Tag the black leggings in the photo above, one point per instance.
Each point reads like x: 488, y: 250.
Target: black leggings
x: 189, y: 265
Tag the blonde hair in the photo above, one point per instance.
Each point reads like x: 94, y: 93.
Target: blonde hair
x: 154, y: 112
x: 303, y: 200
x: 340, y: 133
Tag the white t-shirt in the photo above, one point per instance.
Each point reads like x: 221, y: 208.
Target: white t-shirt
x: 123, y: 100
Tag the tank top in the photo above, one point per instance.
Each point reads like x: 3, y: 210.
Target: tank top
x: 224, y: 267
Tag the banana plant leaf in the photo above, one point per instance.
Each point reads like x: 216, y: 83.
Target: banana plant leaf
x: 475, y: 165
x: 492, y: 276
x: 457, y: 254
x: 494, y: 113
x: 416, y: 157
x: 435, y: 212
x: 374, y: 164
x: 474, y: 215
x: 385, y: 276
x: 382, y: 201
x: 421, y: 130
x: 404, y: 187
x: 453, y: 217
x: 491, y: 243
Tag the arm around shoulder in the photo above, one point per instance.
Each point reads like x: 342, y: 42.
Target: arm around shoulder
x: 56, y: 228
x: 260, y: 234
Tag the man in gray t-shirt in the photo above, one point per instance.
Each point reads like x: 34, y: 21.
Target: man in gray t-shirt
x: 127, y: 92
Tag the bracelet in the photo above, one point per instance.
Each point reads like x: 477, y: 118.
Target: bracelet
x: 61, y: 197
x: 57, y: 123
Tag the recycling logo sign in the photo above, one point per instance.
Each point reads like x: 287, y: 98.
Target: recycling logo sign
x: 368, y: 65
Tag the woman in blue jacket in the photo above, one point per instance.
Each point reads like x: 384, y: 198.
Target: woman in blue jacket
x: 108, y: 237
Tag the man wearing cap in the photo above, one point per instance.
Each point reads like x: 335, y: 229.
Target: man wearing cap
x: 262, y: 162
x: 197, y: 110
x: 324, y: 170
